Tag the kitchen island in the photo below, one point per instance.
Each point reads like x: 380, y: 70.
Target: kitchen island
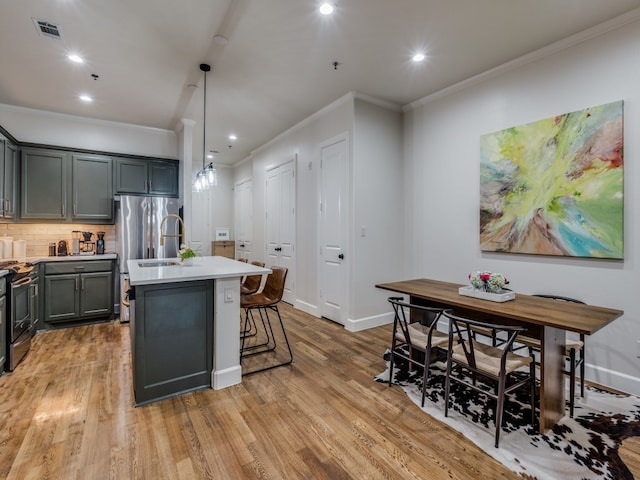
x: 185, y: 325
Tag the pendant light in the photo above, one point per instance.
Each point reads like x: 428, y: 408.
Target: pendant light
x: 206, y: 177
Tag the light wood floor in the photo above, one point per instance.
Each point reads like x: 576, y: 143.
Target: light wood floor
x: 67, y: 412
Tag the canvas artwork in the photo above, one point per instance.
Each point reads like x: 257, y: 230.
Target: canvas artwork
x: 555, y: 186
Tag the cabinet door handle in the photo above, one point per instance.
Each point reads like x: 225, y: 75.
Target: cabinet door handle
x: 76, y: 283
x: 83, y: 283
x: 74, y: 210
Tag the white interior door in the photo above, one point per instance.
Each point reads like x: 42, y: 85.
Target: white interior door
x: 244, y: 219
x: 281, y: 225
x: 334, y: 165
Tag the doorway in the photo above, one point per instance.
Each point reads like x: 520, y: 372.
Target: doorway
x: 281, y: 223
x: 243, y: 202
x: 334, y: 231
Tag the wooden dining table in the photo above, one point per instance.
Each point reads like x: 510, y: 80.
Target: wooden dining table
x: 544, y: 318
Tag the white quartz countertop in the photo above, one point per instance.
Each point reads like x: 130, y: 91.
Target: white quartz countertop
x: 72, y: 258
x: 169, y: 270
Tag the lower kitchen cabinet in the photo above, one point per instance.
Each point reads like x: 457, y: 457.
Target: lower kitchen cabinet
x: 78, y: 291
x: 171, y: 339
x: 3, y: 324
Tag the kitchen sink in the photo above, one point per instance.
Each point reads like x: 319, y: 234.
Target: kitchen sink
x: 160, y: 263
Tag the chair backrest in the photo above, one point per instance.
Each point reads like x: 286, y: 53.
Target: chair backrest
x: 558, y: 297
x: 274, y: 286
x: 461, y: 332
x: 245, y: 260
x: 406, y: 313
x: 252, y: 283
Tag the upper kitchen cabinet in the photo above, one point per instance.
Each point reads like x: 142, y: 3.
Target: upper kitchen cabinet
x: 44, y: 184
x: 66, y: 186
x: 92, y: 188
x: 146, y: 177
x: 8, y: 165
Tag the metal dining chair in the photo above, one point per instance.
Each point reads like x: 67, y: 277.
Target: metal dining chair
x: 573, y: 352
x: 474, y: 360
x: 415, y: 328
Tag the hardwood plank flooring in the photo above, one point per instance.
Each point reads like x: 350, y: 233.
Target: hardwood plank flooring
x: 67, y: 413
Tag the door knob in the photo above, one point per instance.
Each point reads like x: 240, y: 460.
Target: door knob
x: 341, y: 256
x: 278, y: 249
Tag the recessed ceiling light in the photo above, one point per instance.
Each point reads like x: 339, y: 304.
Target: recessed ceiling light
x: 86, y: 98
x: 327, y: 8
x: 210, y: 155
x: 418, y: 57
x: 75, y: 58
x: 233, y: 137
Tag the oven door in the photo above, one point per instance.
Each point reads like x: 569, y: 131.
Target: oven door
x: 20, y: 320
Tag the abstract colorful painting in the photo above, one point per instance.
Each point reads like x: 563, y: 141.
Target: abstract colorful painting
x: 555, y: 186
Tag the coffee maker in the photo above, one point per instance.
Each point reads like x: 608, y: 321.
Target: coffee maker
x: 100, y: 243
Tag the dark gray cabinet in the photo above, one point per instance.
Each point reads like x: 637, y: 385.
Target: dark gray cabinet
x: 8, y: 175
x: 171, y: 339
x: 44, y: 184
x: 146, y: 177
x: 3, y: 324
x: 76, y: 291
x: 58, y: 185
x: 92, y: 188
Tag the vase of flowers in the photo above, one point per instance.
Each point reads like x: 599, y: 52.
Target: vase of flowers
x: 187, y: 255
x: 488, y: 281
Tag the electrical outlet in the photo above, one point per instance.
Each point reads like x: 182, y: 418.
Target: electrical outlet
x: 228, y: 295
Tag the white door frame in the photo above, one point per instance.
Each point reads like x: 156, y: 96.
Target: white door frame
x: 348, y: 237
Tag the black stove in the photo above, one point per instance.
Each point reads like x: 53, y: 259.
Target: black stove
x: 19, y: 309
x: 17, y: 270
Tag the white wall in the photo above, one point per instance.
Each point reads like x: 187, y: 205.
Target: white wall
x: 442, y: 187
x: 377, y: 206
x: 303, y: 140
x: 55, y: 129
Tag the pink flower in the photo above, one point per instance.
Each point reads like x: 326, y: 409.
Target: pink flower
x: 485, y: 276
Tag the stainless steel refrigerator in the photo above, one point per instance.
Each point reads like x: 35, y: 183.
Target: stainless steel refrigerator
x: 138, y: 222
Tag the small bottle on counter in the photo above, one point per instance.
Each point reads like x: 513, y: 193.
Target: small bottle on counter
x: 52, y: 249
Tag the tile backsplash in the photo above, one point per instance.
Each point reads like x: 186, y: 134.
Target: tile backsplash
x: 39, y: 235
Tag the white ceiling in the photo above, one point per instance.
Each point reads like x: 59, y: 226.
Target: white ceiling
x: 276, y: 68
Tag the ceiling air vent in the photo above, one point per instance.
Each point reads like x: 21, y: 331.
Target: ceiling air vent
x: 48, y: 29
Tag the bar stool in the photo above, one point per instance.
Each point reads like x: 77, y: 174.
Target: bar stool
x: 249, y: 286
x: 263, y: 302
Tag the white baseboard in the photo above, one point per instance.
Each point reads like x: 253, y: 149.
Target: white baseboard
x: 609, y: 378
x: 357, y: 325
x: 225, y: 378
x: 307, y: 308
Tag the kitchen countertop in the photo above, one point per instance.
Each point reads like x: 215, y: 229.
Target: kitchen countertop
x: 202, y: 268
x: 69, y: 258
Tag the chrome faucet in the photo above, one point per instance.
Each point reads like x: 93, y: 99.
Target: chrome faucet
x: 173, y: 235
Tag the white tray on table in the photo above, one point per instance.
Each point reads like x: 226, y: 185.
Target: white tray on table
x: 502, y: 296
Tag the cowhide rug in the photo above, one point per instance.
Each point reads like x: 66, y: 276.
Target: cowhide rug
x: 583, y: 447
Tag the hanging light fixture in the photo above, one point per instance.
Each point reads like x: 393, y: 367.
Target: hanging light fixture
x: 206, y: 177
